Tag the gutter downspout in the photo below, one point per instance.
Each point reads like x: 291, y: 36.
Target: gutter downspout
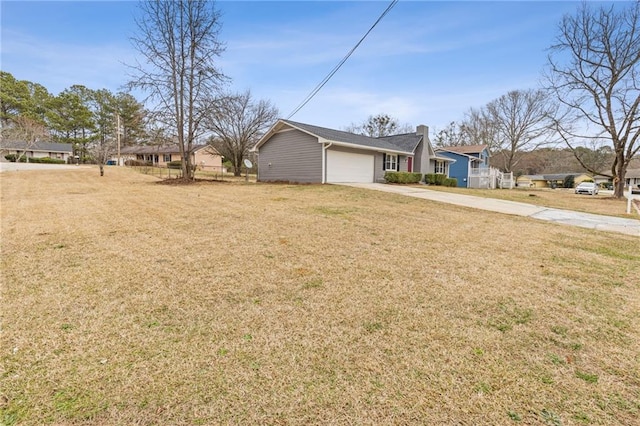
x: 324, y: 161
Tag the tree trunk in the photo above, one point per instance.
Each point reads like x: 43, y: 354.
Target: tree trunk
x: 619, y: 171
x: 237, y: 166
x: 101, y: 169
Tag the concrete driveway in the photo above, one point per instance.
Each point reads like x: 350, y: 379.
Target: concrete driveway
x: 565, y: 217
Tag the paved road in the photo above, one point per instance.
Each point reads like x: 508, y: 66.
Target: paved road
x: 566, y: 217
x: 12, y: 167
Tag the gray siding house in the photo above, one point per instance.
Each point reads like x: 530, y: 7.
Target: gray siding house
x: 303, y: 153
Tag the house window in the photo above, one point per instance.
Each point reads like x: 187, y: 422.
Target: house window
x: 166, y: 158
x: 439, y: 167
x: 391, y: 162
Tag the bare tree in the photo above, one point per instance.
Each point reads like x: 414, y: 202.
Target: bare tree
x: 477, y: 128
x: 594, y: 72
x: 101, y: 151
x: 237, y: 123
x: 521, y: 121
x: 103, y: 106
x: 179, y: 42
x: 480, y: 129
x: 25, y: 130
x: 595, y: 157
x: 452, y: 135
x: 379, y: 126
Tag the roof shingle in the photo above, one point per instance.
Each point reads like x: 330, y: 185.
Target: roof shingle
x: 405, y: 142
x: 38, y: 146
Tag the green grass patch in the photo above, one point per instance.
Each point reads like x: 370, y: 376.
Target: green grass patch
x: 509, y: 314
x: 587, y: 377
x: 514, y: 416
x: 372, y: 327
x: 548, y: 417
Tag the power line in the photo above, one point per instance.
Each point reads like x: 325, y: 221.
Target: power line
x: 337, y: 67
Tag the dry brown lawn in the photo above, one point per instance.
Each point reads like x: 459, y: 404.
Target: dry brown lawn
x: 126, y: 301
x: 555, y: 198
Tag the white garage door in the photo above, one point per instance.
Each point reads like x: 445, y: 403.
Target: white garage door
x: 349, y: 167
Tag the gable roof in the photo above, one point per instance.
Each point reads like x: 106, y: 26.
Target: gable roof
x: 446, y: 151
x: 632, y: 173
x: 37, y: 146
x: 406, y: 141
x: 554, y: 176
x: 401, y: 144
x: 561, y: 176
x: 531, y: 177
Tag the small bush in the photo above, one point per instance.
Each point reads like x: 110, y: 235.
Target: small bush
x: 440, y: 179
x: 229, y: 166
x: 178, y: 165
x: 402, y: 177
x: 568, y: 182
x: 46, y: 160
x: 23, y: 159
x: 430, y: 178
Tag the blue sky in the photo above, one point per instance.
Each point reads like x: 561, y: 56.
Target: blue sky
x: 427, y: 62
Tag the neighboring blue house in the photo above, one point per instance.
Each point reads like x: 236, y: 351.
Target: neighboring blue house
x: 466, y: 158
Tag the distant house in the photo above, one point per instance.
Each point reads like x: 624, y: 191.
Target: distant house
x: 602, y: 180
x: 203, y: 156
x: 632, y: 177
x: 304, y: 153
x: 59, y: 151
x: 555, y: 180
x: 467, y: 158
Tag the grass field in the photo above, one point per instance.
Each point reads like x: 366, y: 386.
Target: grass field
x: 127, y: 301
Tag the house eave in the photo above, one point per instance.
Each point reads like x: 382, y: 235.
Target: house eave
x: 365, y: 147
x: 450, y: 160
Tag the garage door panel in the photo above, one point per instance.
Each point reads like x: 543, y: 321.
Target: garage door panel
x: 349, y: 167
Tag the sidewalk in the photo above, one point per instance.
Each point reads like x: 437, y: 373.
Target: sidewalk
x: 566, y: 217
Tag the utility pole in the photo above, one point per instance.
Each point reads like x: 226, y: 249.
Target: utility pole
x: 118, y: 136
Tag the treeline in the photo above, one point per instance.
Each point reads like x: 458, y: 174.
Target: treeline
x: 78, y: 115
x: 557, y: 160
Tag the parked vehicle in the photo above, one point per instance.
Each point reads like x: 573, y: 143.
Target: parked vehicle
x: 587, y: 188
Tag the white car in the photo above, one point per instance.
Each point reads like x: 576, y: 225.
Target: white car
x: 587, y: 188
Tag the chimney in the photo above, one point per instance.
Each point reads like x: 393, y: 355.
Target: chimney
x: 423, y: 130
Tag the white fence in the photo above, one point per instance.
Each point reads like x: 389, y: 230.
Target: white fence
x: 490, y: 178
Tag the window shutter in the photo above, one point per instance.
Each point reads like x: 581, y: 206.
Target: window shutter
x: 397, y: 163
x: 384, y: 160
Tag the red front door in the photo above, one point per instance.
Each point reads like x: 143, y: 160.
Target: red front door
x: 410, y: 164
